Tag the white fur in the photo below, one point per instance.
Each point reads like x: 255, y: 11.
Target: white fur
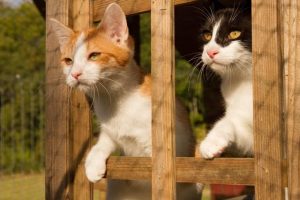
x: 234, y: 130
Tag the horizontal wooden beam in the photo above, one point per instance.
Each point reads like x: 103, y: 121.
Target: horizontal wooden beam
x: 220, y: 170
x: 129, y: 6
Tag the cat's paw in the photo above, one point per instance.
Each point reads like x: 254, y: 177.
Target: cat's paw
x: 212, y: 147
x: 95, y: 168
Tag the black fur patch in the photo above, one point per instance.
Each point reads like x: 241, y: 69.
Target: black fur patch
x: 231, y: 20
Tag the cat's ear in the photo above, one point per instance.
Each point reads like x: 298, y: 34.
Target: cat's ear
x: 114, y: 24
x: 62, y: 32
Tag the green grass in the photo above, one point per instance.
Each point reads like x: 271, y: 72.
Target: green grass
x: 22, y: 187
x: 32, y: 187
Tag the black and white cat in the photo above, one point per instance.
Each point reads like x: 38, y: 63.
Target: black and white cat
x: 227, y: 51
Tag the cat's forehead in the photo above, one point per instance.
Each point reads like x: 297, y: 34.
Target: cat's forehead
x: 228, y: 18
x: 92, y: 39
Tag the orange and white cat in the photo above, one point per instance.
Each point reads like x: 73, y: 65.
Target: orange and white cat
x: 99, y: 61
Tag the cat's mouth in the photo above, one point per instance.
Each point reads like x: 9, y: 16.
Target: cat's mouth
x: 220, y: 64
x: 81, y: 85
x: 215, y: 62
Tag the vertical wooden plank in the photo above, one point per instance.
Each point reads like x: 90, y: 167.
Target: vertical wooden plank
x: 293, y: 97
x: 80, y: 116
x: 163, y: 100
x: 268, y: 99
x: 57, y: 110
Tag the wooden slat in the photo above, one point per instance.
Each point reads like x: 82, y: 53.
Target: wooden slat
x: 293, y: 97
x: 129, y: 6
x: 163, y: 100
x: 57, y: 110
x: 220, y: 170
x: 80, y: 118
x: 268, y: 99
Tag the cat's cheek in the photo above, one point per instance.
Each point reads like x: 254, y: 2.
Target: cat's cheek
x: 206, y: 60
x: 67, y: 70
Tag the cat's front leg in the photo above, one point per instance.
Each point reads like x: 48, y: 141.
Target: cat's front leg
x: 95, y: 163
x: 218, y: 139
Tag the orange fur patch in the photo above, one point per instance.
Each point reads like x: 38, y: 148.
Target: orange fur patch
x: 98, y: 42
x: 146, y: 86
x: 68, y: 49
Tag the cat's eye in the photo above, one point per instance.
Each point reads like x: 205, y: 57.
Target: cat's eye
x: 68, y: 61
x: 234, y: 35
x: 206, y: 36
x: 94, y: 56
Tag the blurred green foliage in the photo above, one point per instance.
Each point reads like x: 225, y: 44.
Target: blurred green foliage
x: 22, y: 61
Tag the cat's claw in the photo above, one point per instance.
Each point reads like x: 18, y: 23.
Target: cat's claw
x: 95, y: 169
x: 212, y: 147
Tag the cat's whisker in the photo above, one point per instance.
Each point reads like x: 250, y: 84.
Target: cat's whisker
x: 93, y: 96
x: 191, y: 76
x: 212, y: 14
x: 201, y: 73
x: 97, y: 91
x: 205, y: 73
x: 190, y: 54
x: 196, y: 57
x: 110, y: 99
x: 119, y: 84
x: 204, y: 13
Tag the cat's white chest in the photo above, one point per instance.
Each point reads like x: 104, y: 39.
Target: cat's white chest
x: 238, y: 98
x: 130, y: 126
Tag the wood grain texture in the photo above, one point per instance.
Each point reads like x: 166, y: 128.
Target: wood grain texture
x: 80, y: 143
x: 80, y: 118
x: 163, y: 100
x: 57, y: 110
x: 129, y: 6
x: 268, y: 99
x: 220, y: 170
x: 292, y: 38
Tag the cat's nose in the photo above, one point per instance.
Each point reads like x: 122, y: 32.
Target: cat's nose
x: 76, y: 75
x: 212, y: 53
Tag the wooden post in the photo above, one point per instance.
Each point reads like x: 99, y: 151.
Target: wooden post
x: 68, y: 124
x: 292, y: 62
x: 80, y: 116
x: 163, y: 100
x: 268, y: 99
x: 57, y: 110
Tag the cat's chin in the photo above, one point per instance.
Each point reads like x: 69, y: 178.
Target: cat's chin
x: 80, y: 87
x: 218, y: 68
x: 84, y: 88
